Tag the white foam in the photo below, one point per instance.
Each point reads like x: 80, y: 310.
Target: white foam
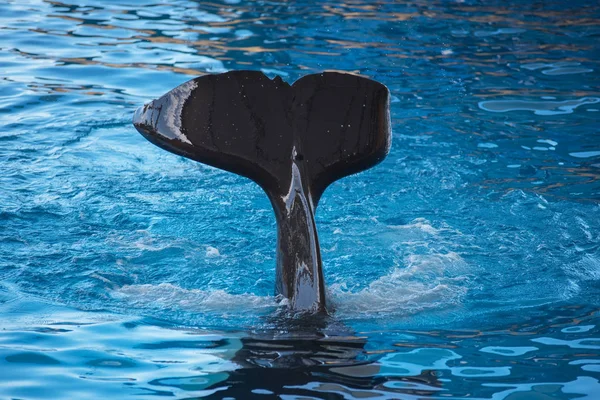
x: 433, y: 281
x: 147, y: 243
x: 586, y: 269
x: 167, y: 295
x: 420, y: 224
x: 212, y: 252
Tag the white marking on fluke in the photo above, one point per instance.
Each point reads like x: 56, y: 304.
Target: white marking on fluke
x: 170, y: 106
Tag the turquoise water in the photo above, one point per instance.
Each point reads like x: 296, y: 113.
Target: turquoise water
x: 465, y: 266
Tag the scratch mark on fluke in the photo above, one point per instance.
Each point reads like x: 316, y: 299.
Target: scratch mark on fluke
x: 293, y: 140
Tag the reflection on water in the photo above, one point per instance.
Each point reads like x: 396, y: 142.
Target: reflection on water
x: 544, y: 63
x: 538, y: 107
x: 141, y: 357
x: 466, y: 265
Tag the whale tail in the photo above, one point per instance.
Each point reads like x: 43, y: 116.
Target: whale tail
x: 292, y: 140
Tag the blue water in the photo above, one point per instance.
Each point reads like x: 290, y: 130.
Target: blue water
x: 465, y: 266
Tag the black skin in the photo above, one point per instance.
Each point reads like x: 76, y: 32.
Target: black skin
x: 293, y: 140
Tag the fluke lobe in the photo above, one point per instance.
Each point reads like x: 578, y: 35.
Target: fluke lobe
x: 293, y: 140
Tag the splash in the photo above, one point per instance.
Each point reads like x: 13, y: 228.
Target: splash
x: 173, y: 297
x: 427, y: 282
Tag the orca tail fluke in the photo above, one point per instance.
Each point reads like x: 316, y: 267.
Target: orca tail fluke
x: 292, y: 140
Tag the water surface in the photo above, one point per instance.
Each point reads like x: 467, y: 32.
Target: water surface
x: 466, y: 265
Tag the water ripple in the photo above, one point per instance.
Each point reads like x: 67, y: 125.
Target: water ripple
x: 466, y: 264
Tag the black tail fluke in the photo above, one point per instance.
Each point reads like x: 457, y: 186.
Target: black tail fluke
x: 293, y: 140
